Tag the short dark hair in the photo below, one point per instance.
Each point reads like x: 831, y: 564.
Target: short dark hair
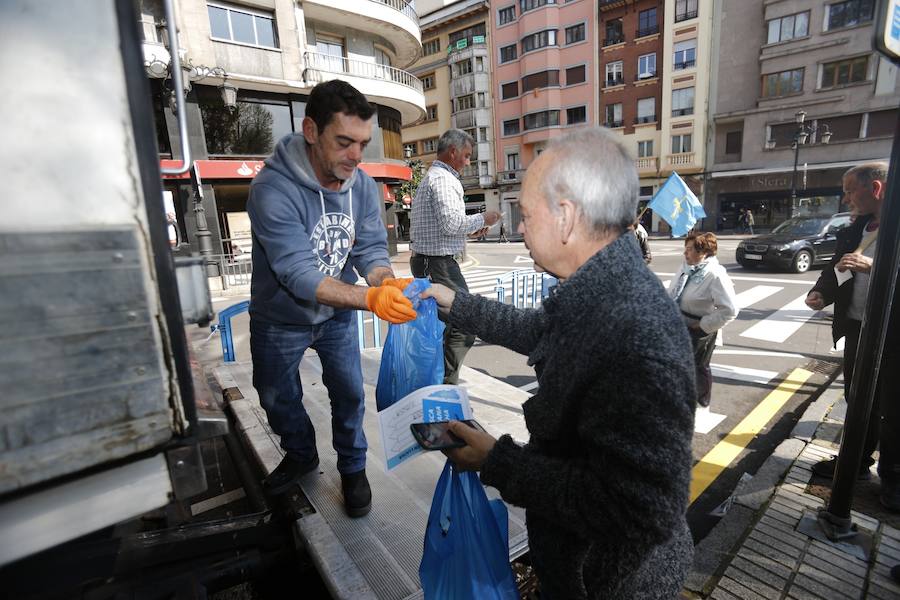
x: 704, y: 243
x: 336, y: 96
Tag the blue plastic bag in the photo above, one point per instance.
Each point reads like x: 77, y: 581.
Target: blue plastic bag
x: 413, y: 354
x: 466, y: 554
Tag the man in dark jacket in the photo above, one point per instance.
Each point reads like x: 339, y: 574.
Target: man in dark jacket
x: 315, y: 218
x: 605, y: 474
x: 864, y: 191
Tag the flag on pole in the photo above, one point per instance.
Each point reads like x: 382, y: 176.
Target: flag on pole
x: 677, y: 205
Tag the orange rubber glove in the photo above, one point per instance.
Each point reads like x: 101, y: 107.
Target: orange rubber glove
x: 399, y: 282
x: 390, y: 304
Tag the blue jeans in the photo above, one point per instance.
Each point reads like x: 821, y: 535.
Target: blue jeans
x: 277, y: 351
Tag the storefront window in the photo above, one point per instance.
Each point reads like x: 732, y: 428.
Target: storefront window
x: 253, y: 127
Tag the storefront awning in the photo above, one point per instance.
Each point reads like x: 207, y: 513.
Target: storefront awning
x: 247, y: 169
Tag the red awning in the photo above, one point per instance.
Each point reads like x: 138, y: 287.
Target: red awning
x: 247, y: 169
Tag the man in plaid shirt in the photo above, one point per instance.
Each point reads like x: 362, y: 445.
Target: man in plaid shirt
x: 438, y: 230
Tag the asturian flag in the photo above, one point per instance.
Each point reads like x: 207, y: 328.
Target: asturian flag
x: 678, y: 205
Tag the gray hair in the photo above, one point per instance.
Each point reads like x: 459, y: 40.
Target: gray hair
x: 592, y: 168
x: 454, y: 138
x: 866, y: 173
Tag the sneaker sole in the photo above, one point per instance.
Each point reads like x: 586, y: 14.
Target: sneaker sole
x: 277, y: 491
x: 357, y: 512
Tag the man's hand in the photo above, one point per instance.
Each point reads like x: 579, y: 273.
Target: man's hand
x: 443, y: 295
x: 815, y: 301
x: 854, y: 262
x: 398, y: 282
x: 478, y: 444
x: 390, y: 304
x: 491, y: 217
x: 479, y: 233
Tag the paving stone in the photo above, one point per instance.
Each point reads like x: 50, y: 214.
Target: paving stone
x: 742, y: 592
x: 889, y: 542
x: 880, y: 592
x: 765, y: 562
x: 834, y: 558
x: 791, y: 510
x: 786, y: 537
x: 818, y: 589
x: 721, y: 594
x: 772, y: 553
x: 864, y: 521
x: 891, y: 532
x: 796, y: 592
x: 805, y: 500
x: 716, y: 547
x: 885, y: 583
x: 883, y: 570
x: 847, y: 571
x: 887, y: 554
x: 764, y: 583
x: 829, y: 581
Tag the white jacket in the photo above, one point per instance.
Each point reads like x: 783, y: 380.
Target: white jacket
x: 708, y: 294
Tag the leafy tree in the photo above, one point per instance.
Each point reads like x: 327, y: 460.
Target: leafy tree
x: 410, y: 187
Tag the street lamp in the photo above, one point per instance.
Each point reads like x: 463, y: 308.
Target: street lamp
x: 804, y: 133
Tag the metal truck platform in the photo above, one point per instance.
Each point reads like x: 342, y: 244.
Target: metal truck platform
x: 376, y: 556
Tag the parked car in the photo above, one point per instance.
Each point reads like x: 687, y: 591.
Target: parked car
x: 797, y: 244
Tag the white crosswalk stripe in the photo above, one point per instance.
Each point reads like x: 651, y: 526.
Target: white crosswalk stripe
x: 783, y: 323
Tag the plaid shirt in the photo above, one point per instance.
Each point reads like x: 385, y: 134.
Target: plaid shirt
x: 439, y: 224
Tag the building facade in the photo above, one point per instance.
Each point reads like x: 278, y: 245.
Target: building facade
x: 248, y: 68
x: 545, y: 83
x: 796, y: 56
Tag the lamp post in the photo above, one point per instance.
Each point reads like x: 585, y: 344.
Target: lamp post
x: 804, y: 133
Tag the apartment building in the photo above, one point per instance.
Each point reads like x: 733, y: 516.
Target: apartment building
x: 631, y: 35
x: 545, y: 82
x: 248, y: 68
x: 455, y: 69
x: 803, y: 87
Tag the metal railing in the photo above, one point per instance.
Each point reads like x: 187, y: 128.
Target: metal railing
x: 682, y: 112
x: 408, y: 8
x: 686, y: 64
x: 234, y: 269
x: 527, y: 287
x: 316, y: 62
x: 614, y: 81
x: 685, y: 16
x: 614, y: 124
x: 614, y: 40
x: 647, y: 119
x: 646, y: 31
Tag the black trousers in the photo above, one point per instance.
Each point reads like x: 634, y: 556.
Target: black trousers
x: 704, y: 344
x: 851, y: 341
x: 445, y: 270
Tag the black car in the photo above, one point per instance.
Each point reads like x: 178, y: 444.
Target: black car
x: 797, y: 244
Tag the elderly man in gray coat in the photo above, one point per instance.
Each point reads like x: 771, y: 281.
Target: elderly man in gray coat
x: 604, y: 477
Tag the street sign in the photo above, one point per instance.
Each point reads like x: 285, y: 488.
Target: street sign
x: 887, y: 29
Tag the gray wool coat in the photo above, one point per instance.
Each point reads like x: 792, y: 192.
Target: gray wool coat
x: 604, y: 477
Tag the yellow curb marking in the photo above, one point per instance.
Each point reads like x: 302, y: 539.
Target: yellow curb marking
x: 726, y: 451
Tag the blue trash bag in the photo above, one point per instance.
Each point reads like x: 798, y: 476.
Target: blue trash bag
x: 466, y: 554
x: 413, y: 354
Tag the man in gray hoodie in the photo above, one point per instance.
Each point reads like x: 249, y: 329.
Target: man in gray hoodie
x: 315, y: 219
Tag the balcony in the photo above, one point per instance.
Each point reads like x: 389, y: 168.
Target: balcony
x: 685, y: 16
x: 645, y: 76
x: 684, y: 158
x: 394, y: 20
x: 647, y: 163
x: 614, y: 124
x: 646, y: 31
x: 619, y: 39
x: 687, y: 64
x: 380, y: 83
x: 509, y: 177
x: 647, y: 119
x: 682, y: 112
x: 467, y: 48
x: 614, y: 81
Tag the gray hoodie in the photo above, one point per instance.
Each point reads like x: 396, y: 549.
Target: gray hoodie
x: 295, y: 246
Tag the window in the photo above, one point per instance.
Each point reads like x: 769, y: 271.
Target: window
x: 844, y: 127
x: 463, y: 67
x: 647, y: 23
x: 788, y: 28
x: 541, y: 39
x: 842, y: 72
x: 614, y: 33
x: 646, y: 66
x: 431, y: 47
x: 507, y: 15
x: 783, y: 83
x: 575, y: 33
x: 483, y: 168
x: 575, y: 75
x: 330, y: 55
x: 511, y: 127
x: 428, y: 81
x: 509, y: 90
x: 464, y: 37
x: 577, y: 114
x: 645, y: 149
x: 852, y: 12
x: 507, y: 53
x: 242, y: 25
x: 512, y: 161
x: 429, y: 145
x: 881, y: 123
x: 546, y: 118
x: 681, y: 143
x: 540, y: 80
x: 683, y: 102
x: 482, y: 134
x: 614, y: 75
x: 733, y: 142
x: 685, y: 9
x: 481, y: 100
x: 253, y: 127
x: 614, y: 115
x: 525, y: 5
x: 465, y: 102
x: 685, y: 54
x: 431, y: 113
x: 479, y: 64
x: 646, y: 110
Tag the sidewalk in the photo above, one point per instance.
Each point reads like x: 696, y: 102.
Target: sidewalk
x: 756, y: 552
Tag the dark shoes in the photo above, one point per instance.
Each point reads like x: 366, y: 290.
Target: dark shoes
x: 357, y: 493
x: 287, y: 473
x: 890, y: 495
x: 825, y: 468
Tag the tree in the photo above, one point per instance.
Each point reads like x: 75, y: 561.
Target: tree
x: 410, y: 187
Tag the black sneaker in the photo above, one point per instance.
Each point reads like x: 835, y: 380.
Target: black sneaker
x: 890, y: 495
x: 287, y: 473
x: 825, y: 468
x: 895, y: 573
x: 357, y: 493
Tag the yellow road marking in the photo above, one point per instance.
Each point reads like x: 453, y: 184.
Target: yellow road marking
x: 726, y: 451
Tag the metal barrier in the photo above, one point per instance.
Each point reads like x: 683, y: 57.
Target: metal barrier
x: 528, y: 287
x: 234, y: 269
x: 368, y: 325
